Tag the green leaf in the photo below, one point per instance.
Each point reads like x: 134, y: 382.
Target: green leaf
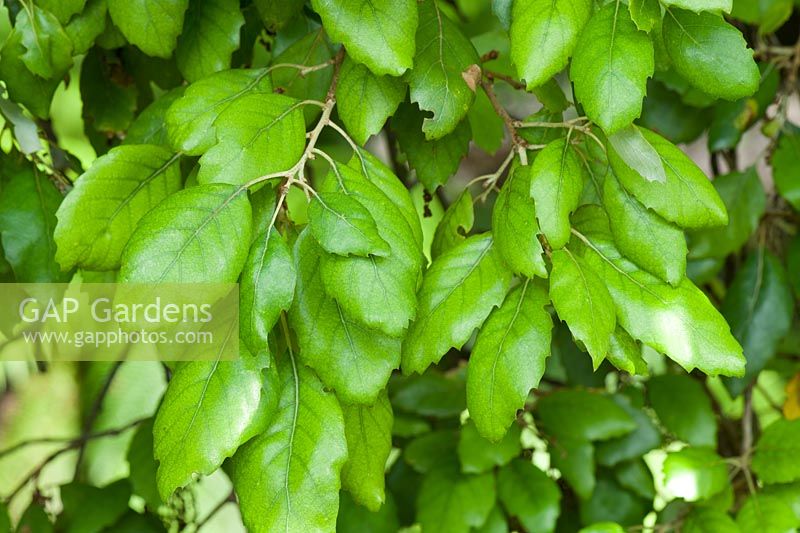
x: 515, y: 228
x: 702, y: 5
x: 543, y: 35
x: 710, y: 53
x: 200, y: 234
x: 445, y: 73
x: 353, y: 518
x: 769, y: 15
x: 603, y: 527
x: 636, y: 476
x: 610, y: 67
x: 644, y: 237
x: 287, y: 478
x: 495, y: 522
x: 776, y: 451
x: 759, y: 307
x: 433, y: 160
x: 209, y: 410
x: 377, y: 33
x: 557, y: 178
x: 455, y: 225
x: 152, y: 25
x: 612, y: 503
x: 508, y: 359
x: 364, y: 101
x: 276, y: 13
x: 637, y: 153
x: 28, y: 205
x: 663, y: 111
x: 646, y: 14
x: 635, y: 444
x: 190, y: 120
x: 62, y: 9
x: 354, y: 360
x: 451, y: 502
x: 432, y: 450
x: 266, y: 288
x: 488, y: 129
x: 378, y: 292
x: 766, y: 514
x: 683, y: 408
x: 257, y: 134
x: 431, y: 394
x: 625, y: 354
x: 694, y: 473
x: 583, y: 415
x: 143, y: 466
x: 458, y: 292
x: 745, y: 201
x: 528, y: 494
x: 478, y: 455
x: 150, y: 126
x: 686, y: 198
x: 109, y: 99
x: 24, y: 87
x: 84, y: 27
x: 341, y: 225
x: 368, y: 430
x: 786, y: 167
x: 574, y: 458
x: 210, y: 35
x: 98, y: 217
x: 48, y: 48
x: 583, y: 302
x: 708, y: 520
x: 110, y: 501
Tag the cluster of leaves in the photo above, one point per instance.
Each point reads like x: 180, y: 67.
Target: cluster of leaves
x: 608, y: 275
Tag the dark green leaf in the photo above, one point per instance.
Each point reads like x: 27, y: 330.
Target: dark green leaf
x: 528, y: 494
x: 451, y: 502
x: 776, y: 450
x: 786, y: 167
x: 583, y: 415
x: 684, y: 408
x: 478, y: 455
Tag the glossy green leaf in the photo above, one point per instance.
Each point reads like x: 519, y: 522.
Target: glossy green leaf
x: 646, y: 14
x: 445, y: 73
x: 341, y: 225
x: 775, y: 452
x: 528, y: 494
x: 625, y: 354
x: 786, y: 167
x: 702, y: 5
x: 557, y: 178
x: 368, y: 430
x: 209, y: 410
x: 98, y: 217
x: 48, y: 48
x: 200, y: 234
x: 152, y: 25
x: 610, y: 67
x: 710, y: 53
x: 364, y: 101
x: 694, y: 473
x: 643, y: 236
x: 62, y: 9
x: 759, y: 307
x: 515, y: 228
x: 455, y: 225
x: 543, y: 36
x: 256, y: 135
x: 638, y: 154
x: 583, y: 302
x: 683, y: 408
x: 210, y: 35
x: 190, y: 120
x: 84, y: 27
x: 451, y: 502
x: 377, y: 33
x: 24, y: 87
x: 767, y: 514
x: 508, y: 359
x: 686, y: 198
x: 266, y: 288
x: 287, y: 478
x: 458, y: 292
x: 477, y: 455
x: 354, y: 360
x: 150, y: 126
x: 583, y: 415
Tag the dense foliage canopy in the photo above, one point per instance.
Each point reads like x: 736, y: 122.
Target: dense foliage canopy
x: 504, y: 265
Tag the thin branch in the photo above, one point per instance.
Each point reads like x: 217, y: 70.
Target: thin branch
x: 492, y: 76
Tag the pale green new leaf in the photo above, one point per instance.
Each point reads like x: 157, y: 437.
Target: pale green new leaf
x: 515, y: 228
x: 349, y: 357
x: 190, y: 120
x: 694, y: 473
x: 458, y: 292
x: 258, y: 134
x: 455, y: 224
x: 583, y: 302
x: 368, y: 430
x: 635, y: 151
x: 452, y: 502
x: 200, y: 234
x: 610, y: 67
x: 100, y: 214
x: 446, y: 71
x: 266, y: 288
x: 287, y: 478
x: 686, y: 198
x: 341, y: 225
x: 644, y: 237
x: 710, y: 54
x: 209, y: 410
x: 557, y: 178
x: 774, y: 460
x: 364, y: 101
x: 48, y: 48
x: 646, y: 14
x: 543, y: 35
x: 210, y: 35
x: 683, y: 408
x: 701, y: 5
x: 583, y: 415
x: 508, y: 359
x: 376, y: 33
x: 527, y: 493
x: 152, y: 25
